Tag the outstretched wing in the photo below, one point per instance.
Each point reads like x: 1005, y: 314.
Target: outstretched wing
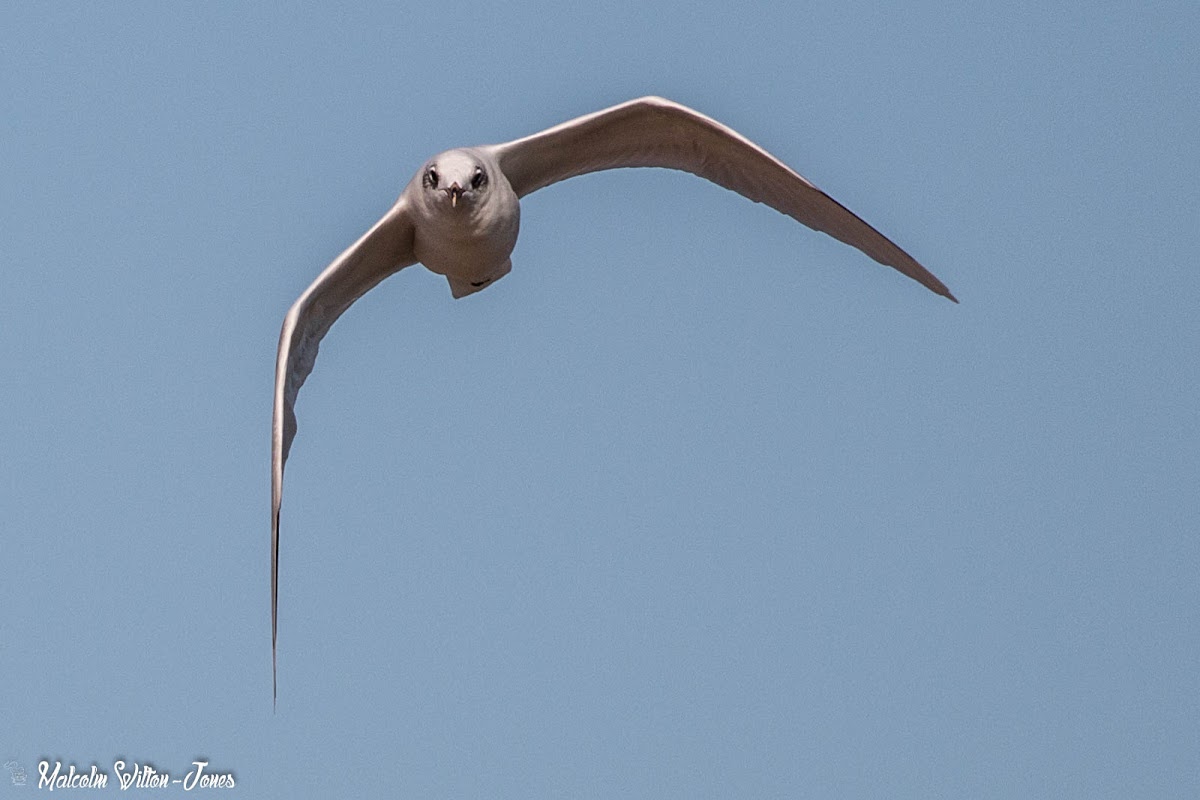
x: 383, y: 250
x: 653, y: 132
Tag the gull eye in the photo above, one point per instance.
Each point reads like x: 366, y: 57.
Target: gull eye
x: 479, y: 179
x: 431, y: 178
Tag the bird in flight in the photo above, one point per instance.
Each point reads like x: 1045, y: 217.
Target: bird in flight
x: 460, y: 213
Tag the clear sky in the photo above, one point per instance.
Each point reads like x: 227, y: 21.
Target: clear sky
x: 696, y: 502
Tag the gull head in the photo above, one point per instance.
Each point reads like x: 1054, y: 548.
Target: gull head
x: 456, y: 178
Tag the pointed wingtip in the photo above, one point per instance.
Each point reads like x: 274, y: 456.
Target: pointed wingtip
x: 930, y: 282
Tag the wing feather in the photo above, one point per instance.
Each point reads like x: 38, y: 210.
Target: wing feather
x: 382, y: 251
x: 653, y: 132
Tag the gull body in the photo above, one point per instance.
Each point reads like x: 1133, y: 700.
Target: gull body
x: 466, y: 234
x: 460, y: 215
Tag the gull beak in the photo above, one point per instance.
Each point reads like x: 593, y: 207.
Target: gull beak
x: 455, y: 192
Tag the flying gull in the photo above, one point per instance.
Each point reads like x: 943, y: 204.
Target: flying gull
x: 460, y: 213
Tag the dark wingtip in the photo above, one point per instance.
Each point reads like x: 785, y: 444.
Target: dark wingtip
x: 930, y: 282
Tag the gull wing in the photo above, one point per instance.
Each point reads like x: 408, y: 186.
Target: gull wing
x: 653, y: 132
x: 382, y: 251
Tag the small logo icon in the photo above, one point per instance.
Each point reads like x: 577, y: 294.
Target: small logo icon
x: 16, y: 772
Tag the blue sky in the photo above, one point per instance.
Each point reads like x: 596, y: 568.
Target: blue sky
x: 694, y: 503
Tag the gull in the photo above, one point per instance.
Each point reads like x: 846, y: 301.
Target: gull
x: 460, y: 213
